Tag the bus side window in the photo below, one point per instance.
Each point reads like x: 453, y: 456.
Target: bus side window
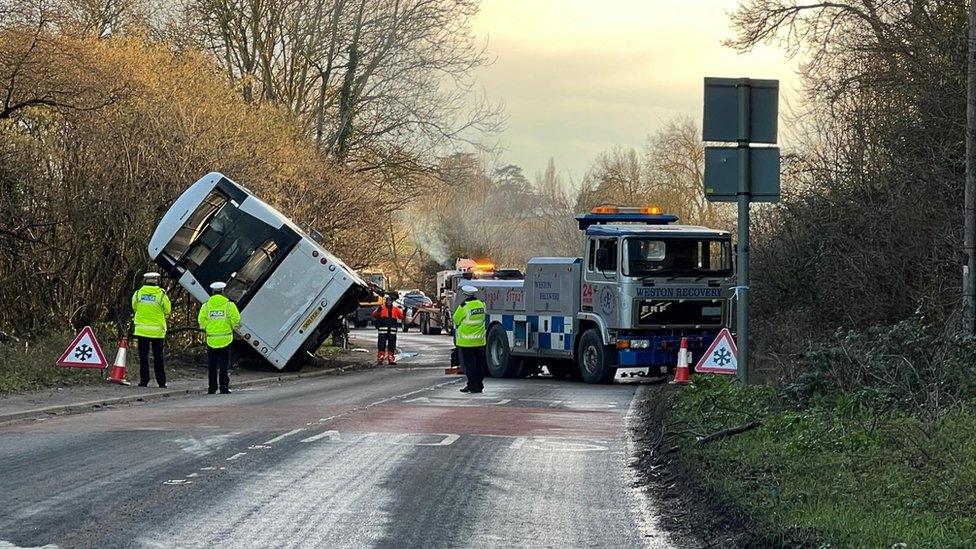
x: 261, y: 259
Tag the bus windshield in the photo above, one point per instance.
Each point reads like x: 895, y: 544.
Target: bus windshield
x: 233, y: 247
x: 195, y: 223
x: 677, y: 257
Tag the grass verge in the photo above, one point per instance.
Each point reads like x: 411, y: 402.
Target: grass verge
x: 30, y: 365
x: 835, y: 473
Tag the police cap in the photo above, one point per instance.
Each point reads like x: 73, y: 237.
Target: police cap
x: 468, y: 289
x: 218, y: 286
x: 151, y: 276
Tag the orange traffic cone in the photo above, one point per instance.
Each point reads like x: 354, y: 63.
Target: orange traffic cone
x: 681, y: 374
x: 117, y: 373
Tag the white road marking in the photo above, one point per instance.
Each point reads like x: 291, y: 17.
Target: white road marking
x: 517, y: 443
x: 8, y: 545
x: 193, y: 475
x: 333, y: 436
x: 284, y: 436
x: 446, y: 439
x: 237, y: 455
x: 647, y: 521
x: 258, y: 447
x: 457, y: 401
x: 558, y: 445
x: 176, y: 482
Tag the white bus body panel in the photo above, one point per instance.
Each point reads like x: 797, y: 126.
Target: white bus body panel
x: 301, y: 286
x: 254, y: 206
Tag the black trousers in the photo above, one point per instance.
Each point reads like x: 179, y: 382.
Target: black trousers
x: 386, y: 341
x: 218, y: 359
x: 156, y: 344
x: 475, y: 366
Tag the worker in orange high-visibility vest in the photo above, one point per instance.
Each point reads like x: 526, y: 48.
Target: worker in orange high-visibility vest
x: 387, y: 319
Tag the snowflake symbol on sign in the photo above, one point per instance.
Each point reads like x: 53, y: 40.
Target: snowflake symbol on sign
x: 722, y: 357
x: 84, y: 352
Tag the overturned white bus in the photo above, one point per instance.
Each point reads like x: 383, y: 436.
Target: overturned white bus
x: 291, y: 292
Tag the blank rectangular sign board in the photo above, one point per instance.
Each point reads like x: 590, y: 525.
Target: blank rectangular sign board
x: 722, y: 174
x: 721, y: 119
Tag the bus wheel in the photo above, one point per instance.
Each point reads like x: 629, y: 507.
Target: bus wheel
x: 500, y: 361
x: 592, y: 359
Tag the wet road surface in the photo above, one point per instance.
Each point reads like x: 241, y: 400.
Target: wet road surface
x: 380, y: 458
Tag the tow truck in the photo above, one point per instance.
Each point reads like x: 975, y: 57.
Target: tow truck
x: 642, y: 284
x: 438, y: 315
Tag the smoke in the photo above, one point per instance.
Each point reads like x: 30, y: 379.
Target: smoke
x: 431, y: 243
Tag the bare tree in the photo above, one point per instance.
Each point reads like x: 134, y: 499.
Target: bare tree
x: 384, y: 83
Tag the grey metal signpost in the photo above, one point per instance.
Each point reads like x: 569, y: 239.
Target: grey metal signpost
x: 743, y: 111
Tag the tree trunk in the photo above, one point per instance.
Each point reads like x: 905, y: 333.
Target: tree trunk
x: 346, y: 104
x: 969, y: 271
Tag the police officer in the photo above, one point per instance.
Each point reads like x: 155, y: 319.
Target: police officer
x: 386, y: 318
x: 218, y: 317
x: 151, y: 307
x: 469, y: 335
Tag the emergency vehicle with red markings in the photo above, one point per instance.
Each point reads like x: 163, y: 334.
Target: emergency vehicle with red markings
x: 438, y: 315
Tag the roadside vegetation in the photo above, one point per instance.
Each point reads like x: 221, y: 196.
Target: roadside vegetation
x: 861, y: 433
x: 890, y: 462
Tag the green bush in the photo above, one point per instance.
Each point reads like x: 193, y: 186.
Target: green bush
x: 912, y: 366
x: 835, y: 472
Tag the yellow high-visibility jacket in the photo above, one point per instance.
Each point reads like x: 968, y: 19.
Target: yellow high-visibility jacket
x: 151, y: 307
x: 219, y: 316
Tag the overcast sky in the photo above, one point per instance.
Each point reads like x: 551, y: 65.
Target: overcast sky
x: 578, y: 76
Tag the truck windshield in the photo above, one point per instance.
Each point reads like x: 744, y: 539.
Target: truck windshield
x: 677, y: 256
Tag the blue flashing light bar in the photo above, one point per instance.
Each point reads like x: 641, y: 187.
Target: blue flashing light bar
x: 587, y: 220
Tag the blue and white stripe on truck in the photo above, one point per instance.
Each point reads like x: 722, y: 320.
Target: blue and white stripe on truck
x: 555, y: 332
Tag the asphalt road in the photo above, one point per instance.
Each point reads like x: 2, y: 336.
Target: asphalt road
x: 379, y: 458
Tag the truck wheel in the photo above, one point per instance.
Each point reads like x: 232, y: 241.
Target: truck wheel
x: 424, y: 324
x: 406, y: 327
x: 500, y: 360
x: 592, y: 359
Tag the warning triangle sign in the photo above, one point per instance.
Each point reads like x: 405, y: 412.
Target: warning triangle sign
x: 84, y: 352
x: 721, y: 356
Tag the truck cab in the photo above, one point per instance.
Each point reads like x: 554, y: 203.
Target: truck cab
x: 646, y: 283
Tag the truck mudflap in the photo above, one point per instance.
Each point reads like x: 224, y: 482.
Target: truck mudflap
x: 662, y: 351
